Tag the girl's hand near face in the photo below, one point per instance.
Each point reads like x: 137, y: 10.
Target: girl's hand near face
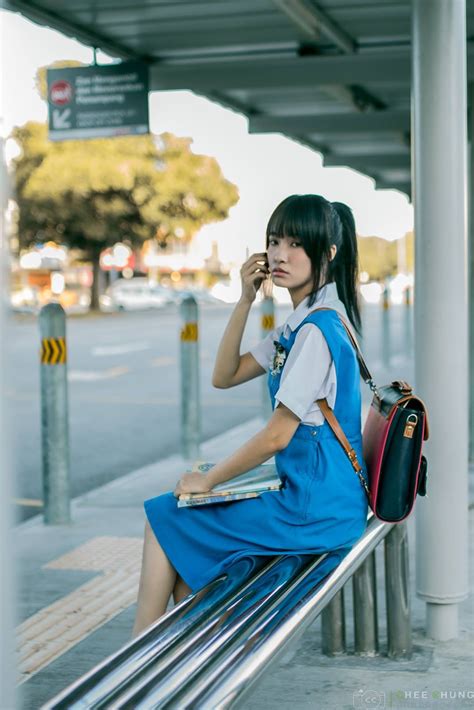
x: 253, y: 272
x: 192, y: 483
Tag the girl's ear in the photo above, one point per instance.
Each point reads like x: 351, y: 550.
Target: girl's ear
x: 333, y: 252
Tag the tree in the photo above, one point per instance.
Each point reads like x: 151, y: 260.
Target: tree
x: 379, y: 258
x: 93, y: 193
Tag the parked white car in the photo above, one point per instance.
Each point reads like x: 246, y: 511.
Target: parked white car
x: 136, y: 294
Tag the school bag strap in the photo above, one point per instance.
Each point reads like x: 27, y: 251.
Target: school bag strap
x: 331, y: 418
x: 398, y: 392
x: 343, y: 440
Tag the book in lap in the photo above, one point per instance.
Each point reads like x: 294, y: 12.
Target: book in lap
x: 248, y: 485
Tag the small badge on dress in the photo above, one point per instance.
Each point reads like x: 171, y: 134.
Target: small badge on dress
x: 279, y: 358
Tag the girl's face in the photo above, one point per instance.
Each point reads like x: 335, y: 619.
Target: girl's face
x: 289, y: 264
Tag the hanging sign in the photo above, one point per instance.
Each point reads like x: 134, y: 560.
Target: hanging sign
x: 98, y: 101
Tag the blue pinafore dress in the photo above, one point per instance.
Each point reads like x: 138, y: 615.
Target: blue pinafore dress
x: 322, y: 505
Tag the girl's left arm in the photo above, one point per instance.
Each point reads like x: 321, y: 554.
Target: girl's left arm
x: 274, y: 437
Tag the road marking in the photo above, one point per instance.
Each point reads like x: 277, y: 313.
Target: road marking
x: 104, y: 350
x: 139, y: 401
x: 22, y: 396
x: 57, y: 628
x: 231, y: 403
x: 94, y: 375
x: 165, y: 401
x: 166, y: 360
x: 163, y: 361
x: 33, y: 502
x: 120, y: 399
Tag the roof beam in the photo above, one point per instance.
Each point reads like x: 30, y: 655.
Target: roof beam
x: 291, y: 72
x: 332, y: 123
x: 382, y: 161
x: 404, y: 186
x: 82, y: 33
x: 232, y: 103
x: 309, y: 18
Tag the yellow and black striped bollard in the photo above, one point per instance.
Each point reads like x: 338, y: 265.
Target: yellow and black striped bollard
x: 267, y: 324
x: 190, y: 389
x: 54, y: 415
x: 385, y: 330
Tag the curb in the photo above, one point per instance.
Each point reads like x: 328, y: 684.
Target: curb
x: 173, y: 461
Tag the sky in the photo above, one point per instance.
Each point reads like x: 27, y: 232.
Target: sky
x: 266, y: 168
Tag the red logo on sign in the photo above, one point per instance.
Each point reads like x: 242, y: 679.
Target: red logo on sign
x: 60, y: 93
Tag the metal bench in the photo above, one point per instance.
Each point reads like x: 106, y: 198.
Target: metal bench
x: 210, y: 648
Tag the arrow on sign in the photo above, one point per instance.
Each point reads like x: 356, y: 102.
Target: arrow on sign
x: 61, y: 118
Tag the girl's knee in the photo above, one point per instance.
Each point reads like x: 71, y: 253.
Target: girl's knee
x: 149, y: 535
x: 148, y: 528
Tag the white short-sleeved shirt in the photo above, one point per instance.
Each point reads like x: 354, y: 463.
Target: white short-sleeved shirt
x: 309, y: 372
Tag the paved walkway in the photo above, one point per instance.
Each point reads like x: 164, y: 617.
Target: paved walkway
x: 76, y: 595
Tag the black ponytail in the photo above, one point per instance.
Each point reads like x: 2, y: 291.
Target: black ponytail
x: 344, y: 268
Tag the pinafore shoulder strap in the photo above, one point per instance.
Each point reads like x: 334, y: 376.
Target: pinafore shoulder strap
x: 331, y: 418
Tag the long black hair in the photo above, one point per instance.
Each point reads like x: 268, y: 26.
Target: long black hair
x: 318, y: 224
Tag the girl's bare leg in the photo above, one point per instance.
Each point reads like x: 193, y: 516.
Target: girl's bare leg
x: 157, y: 581
x: 180, y: 590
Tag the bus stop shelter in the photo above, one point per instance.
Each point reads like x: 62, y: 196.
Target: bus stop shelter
x: 381, y: 86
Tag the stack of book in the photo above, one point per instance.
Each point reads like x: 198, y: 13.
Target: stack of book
x: 248, y: 485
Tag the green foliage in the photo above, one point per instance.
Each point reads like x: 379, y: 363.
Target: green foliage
x: 91, y: 194
x: 379, y: 258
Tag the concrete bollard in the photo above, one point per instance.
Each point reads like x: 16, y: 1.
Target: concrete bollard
x: 54, y: 415
x: 362, y: 311
x: 399, y: 639
x: 190, y: 390
x: 9, y: 573
x: 365, y: 609
x: 267, y: 310
x: 407, y: 297
x: 408, y: 323
x: 385, y: 330
x: 385, y: 296
x: 333, y: 626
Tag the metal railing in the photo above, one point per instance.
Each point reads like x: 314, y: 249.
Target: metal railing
x: 210, y: 648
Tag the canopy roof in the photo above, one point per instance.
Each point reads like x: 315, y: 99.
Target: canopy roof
x: 333, y: 74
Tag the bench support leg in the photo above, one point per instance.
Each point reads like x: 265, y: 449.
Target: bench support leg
x: 365, y: 608
x: 333, y: 626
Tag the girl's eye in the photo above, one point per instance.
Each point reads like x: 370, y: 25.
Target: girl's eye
x: 274, y: 240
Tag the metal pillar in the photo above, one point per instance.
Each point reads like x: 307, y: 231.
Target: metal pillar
x: 7, y: 561
x: 190, y: 390
x: 471, y: 273
x: 385, y: 333
x: 441, y: 338
x: 408, y: 313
